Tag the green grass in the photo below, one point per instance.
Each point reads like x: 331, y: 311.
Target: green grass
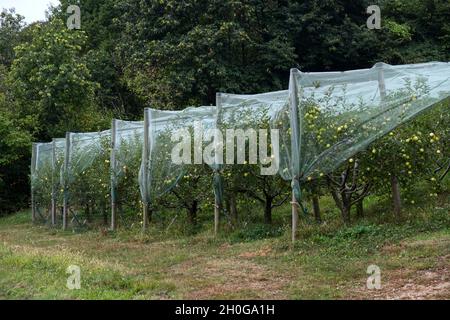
x: 328, y: 261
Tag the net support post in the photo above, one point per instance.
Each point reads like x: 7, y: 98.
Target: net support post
x: 145, y: 168
x: 33, y: 168
x: 294, y: 218
x: 113, y: 175
x: 295, y: 146
x: 395, y: 187
x: 53, y: 213
x: 381, y: 82
x: 66, y: 182
x: 217, y: 163
x: 216, y: 217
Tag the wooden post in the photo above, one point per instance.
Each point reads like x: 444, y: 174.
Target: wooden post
x: 33, y: 168
x: 233, y: 208
x: 396, y: 198
x: 217, y: 162
x: 381, y: 82
x: 113, y: 175
x: 66, y: 176
x: 216, y: 218
x: 145, y: 167
x: 53, y: 183
x: 296, y: 123
x: 294, y: 217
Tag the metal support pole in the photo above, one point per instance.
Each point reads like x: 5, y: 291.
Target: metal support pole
x: 145, y: 154
x: 66, y: 176
x: 53, y: 183
x: 113, y: 175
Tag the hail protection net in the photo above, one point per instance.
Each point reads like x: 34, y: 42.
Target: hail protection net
x: 340, y: 113
x: 59, y: 146
x: 41, y: 174
x: 245, y: 116
x: 322, y: 120
x: 250, y: 143
x: 126, y: 161
x: 88, y: 170
x: 46, y: 173
x: 175, y: 144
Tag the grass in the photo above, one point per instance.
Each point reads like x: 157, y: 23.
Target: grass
x: 329, y: 261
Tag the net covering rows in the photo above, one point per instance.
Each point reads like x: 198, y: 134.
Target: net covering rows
x: 322, y: 120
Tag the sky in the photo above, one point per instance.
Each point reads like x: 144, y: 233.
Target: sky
x: 32, y: 10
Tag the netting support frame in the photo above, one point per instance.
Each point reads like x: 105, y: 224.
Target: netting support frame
x: 66, y: 176
x: 33, y: 168
x: 145, y: 154
x: 113, y: 172
x: 53, y: 212
x: 295, y: 156
x: 217, y: 203
x: 381, y: 81
x: 396, y: 198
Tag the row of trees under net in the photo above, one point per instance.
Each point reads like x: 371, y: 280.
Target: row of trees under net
x: 321, y: 121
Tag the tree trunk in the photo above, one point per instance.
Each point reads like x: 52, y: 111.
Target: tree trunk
x: 268, y: 211
x: 336, y: 199
x: 316, y: 208
x: 360, y: 208
x: 145, y: 216
x: 87, y: 212
x: 346, y: 214
x: 396, y: 196
x: 341, y: 206
x: 233, y: 208
x: 192, y: 213
x: 227, y: 205
x: 105, y: 215
x: 120, y: 208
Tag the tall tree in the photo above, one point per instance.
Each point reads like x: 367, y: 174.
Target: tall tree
x: 181, y: 53
x: 11, y: 25
x: 50, y: 81
x: 99, y: 22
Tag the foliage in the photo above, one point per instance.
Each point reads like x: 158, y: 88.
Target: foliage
x: 50, y: 81
x: 10, y: 35
x: 191, y: 50
x: 128, y: 157
x: 15, y: 145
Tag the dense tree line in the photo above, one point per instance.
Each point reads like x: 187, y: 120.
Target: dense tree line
x: 130, y: 54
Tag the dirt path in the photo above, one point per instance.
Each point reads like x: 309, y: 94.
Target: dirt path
x: 230, y: 277
x: 407, y: 284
